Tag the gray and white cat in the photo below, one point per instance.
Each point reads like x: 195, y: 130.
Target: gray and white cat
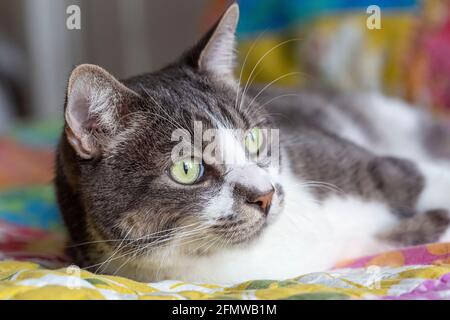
x: 358, y: 174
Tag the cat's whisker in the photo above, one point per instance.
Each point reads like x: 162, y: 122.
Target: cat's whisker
x: 212, y: 243
x: 121, y: 118
x: 115, y: 251
x: 196, y: 239
x: 173, y: 121
x: 146, y: 246
x: 243, y: 66
x: 175, y: 237
x: 203, y: 244
x: 325, y: 185
x: 310, y: 204
x: 184, y: 236
x: 271, y: 83
x: 231, y: 237
x: 171, y: 231
x: 261, y: 106
x: 162, y: 259
x: 295, y: 225
x: 163, y: 118
x: 249, y: 80
x: 140, y: 238
x: 192, y: 238
x: 137, y: 252
x: 132, y: 256
x: 224, y: 242
x: 244, y: 93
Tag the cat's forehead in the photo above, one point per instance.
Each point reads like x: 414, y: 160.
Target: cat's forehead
x: 176, y: 100
x: 185, y: 97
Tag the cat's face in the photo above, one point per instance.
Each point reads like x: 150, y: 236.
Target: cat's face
x: 133, y: 181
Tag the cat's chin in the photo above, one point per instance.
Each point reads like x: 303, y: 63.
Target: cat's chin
x: 240, y: 237
x: 217, y: 240
x: 245, y: 234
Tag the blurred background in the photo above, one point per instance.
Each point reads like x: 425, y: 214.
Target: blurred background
x: 37, y: 51
x: 327, y: 41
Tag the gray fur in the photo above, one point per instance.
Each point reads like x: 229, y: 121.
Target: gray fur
x: 424, y: 228
x: 122, y: 190
x: 318, y: 153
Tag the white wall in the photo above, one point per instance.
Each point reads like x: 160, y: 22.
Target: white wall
x: 124, y: 36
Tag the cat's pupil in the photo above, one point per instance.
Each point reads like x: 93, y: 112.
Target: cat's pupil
x: 185, y: 168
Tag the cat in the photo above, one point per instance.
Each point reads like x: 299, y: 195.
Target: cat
x: 355, y: 174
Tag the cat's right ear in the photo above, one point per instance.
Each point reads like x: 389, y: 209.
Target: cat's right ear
x: 95, y: 104
x: 215, y: 52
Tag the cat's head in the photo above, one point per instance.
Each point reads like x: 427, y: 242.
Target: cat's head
x: 120, y: 139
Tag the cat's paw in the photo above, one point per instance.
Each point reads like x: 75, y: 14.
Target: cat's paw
x: 430, y: 226
x: 400, y: 181
x: 437, y: 139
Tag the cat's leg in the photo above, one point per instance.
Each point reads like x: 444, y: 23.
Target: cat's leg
x: 436, y: 139
x: 434, y: 202
x: 417, y: 193
x: 436, y: 189
x: 431, y: 226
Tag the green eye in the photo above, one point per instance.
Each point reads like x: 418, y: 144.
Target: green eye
x: 254, y: 140
x: 186, y: 171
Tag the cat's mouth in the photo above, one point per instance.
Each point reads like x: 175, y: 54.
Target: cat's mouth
x: 247, y: 224
x: 239, y: 232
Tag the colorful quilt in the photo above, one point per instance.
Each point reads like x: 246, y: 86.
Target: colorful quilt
x: 389, y: 276
x: 32, y: 264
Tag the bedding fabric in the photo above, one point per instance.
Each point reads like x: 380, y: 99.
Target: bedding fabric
x: 32, y: 265
x: 391, y: 278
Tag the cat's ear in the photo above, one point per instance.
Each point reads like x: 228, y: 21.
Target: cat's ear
x: 216, y: 50
x: 96, y: 103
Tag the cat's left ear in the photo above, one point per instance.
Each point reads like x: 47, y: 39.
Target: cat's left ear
x: 96, y: 109
x: 215, y: 52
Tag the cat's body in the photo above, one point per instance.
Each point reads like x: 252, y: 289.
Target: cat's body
x: 335, y: 208
x: 358, y: 175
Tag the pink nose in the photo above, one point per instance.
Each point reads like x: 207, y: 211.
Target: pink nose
x: 263, y: 200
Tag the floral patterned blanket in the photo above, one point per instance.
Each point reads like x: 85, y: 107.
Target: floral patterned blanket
x: 32, y: 268
x: 32, y: 265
